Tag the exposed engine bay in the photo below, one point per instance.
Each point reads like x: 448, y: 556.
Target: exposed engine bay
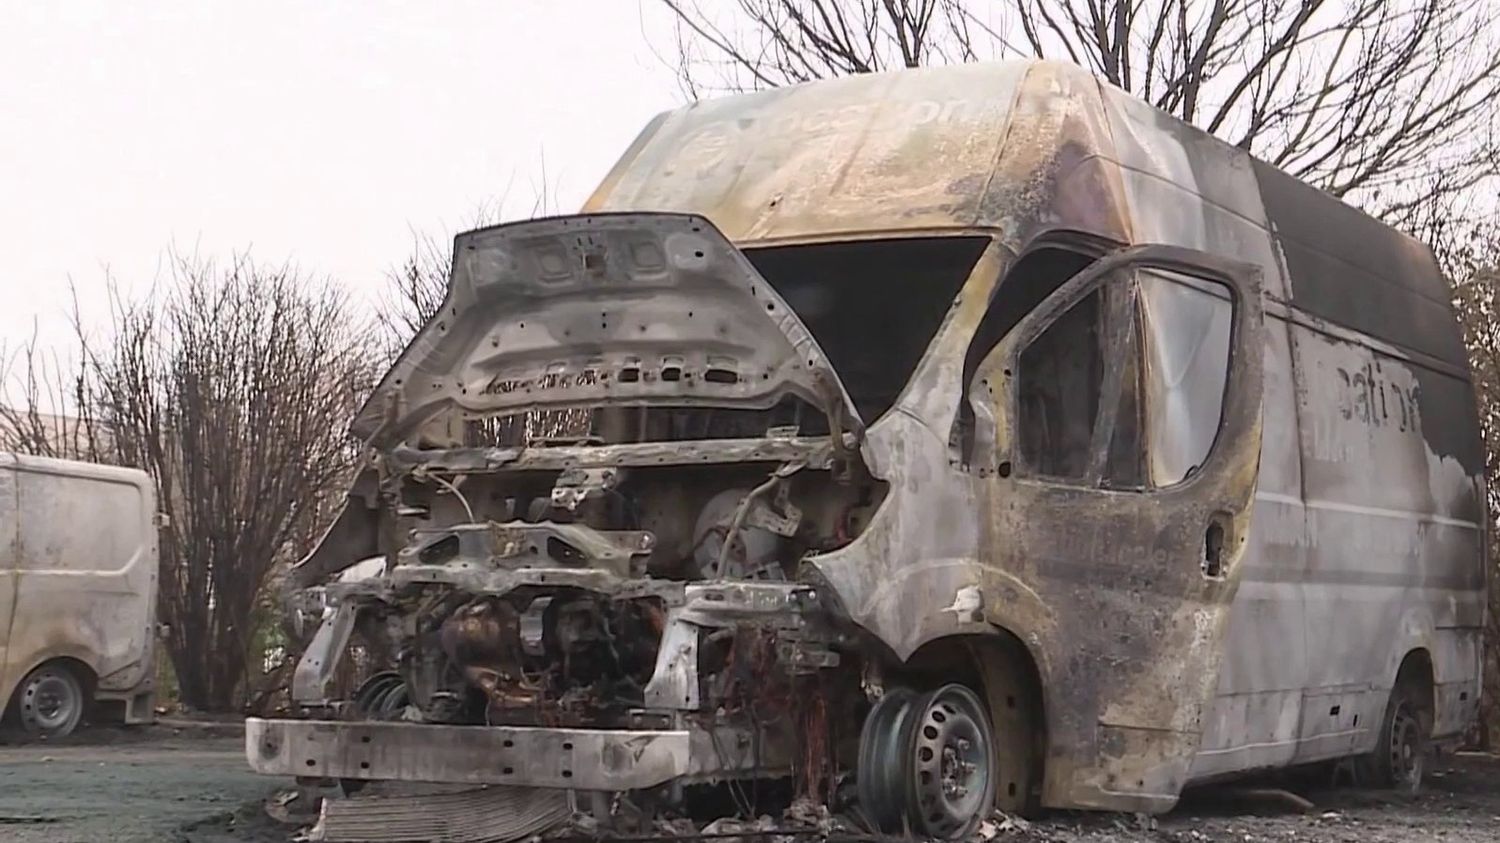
x: 652, y: 596
x: 590, y: 596
x: 593, y: 486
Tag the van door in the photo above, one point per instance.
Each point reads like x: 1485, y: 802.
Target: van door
x: 10, y: 542
x: 1123, y: 442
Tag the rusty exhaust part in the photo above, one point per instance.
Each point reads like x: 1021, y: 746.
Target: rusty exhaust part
x: 483, y: 639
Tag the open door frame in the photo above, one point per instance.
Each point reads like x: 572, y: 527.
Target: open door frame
x: 1109, y: 586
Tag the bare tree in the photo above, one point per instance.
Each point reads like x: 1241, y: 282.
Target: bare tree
x: 415, y: 289
x: 1477, y: 301
x: 1385, y: 102
x: 50, y: 414
x: 233, y: 387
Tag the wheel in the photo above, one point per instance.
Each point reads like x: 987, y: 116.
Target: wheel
x: 882, y: 776
x: 1400, y: 757
x: 383, y: 696
x: 925, y: 763
x: 390, y: 705
x: 953, y: 789
x: 50, y: 702
x: 367, y: 697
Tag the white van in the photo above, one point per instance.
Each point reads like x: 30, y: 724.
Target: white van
x: 78, y: 567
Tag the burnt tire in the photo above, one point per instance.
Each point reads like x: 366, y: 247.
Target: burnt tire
x: 50, y: 702
x: 1400, y: 757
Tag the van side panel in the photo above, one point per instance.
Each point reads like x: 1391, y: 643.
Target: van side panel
x: 1186, y: 188
x: 1351, y: 269
x: 84, y: 579
x: 1395, y: 530
x: 10, y: 550
x: 1255, y: 716
x: 1368, y: 414
x: 1393, y: 462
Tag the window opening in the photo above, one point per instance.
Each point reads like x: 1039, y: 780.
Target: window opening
x: 873, y: 306
x: 1027, y: 284
x: 1185, y: 333
x: 1059, y: 385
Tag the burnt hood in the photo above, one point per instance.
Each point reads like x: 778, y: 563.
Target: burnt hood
x: 624, y: 309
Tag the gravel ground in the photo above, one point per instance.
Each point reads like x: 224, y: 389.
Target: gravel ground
x: 1460, y: 802
x: 192, y: 786
x: 143, y: 785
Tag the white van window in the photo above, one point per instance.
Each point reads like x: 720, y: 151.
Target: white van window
x: 1185, y: 327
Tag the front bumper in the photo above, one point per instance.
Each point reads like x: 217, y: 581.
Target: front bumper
x: 579, y: 759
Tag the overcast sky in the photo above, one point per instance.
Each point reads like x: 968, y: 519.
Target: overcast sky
x: 323, y: 132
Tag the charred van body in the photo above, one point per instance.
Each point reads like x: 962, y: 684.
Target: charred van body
x: 970, y: 437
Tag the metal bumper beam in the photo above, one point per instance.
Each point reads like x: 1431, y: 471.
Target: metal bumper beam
x: 582, y: 759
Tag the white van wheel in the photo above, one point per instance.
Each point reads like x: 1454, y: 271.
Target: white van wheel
x: 49, y: 702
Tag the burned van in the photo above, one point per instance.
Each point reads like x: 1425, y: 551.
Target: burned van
x: 927, y: 442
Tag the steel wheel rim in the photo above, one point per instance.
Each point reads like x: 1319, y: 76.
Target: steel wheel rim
x: 1405, y: 748
x: 51, y: 702
x: 951, y: 763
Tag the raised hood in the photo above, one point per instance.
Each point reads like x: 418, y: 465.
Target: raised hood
x: 617, y: 309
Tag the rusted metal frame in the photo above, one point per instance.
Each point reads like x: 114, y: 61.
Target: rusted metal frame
x: 585, y: 759
x: 503, y: 581
x: 491, y: 542
x: 718, y: 605
x: 319, y: 662
x: 527, y: 756
x: 815, y: 451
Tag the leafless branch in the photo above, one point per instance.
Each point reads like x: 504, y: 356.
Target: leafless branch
x: 232, y: 386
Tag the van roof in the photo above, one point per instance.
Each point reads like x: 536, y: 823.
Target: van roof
x: 1018, y: 148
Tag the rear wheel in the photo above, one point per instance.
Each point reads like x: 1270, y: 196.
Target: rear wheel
x: 1400, y: 758
x: 925, y: 763
x: 50, y: 702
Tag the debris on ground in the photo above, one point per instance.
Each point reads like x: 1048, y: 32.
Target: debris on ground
x: 1271, y: 798
x: 26, y: 820
x: 156, y: 786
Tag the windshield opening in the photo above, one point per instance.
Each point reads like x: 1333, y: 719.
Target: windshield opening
x: 873, y: 305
